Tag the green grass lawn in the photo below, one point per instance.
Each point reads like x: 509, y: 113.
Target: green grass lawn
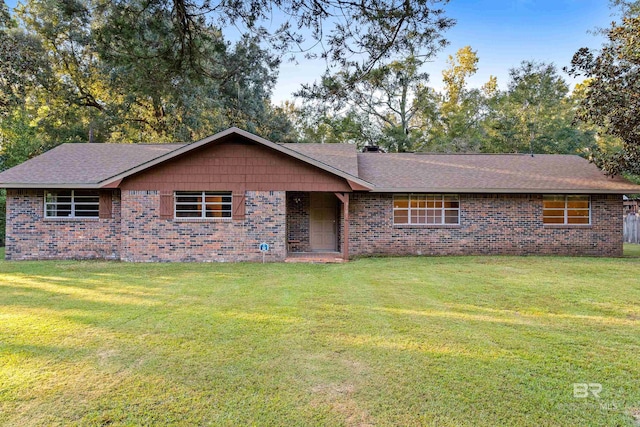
x: 631, y: 250
x: 478, y: 341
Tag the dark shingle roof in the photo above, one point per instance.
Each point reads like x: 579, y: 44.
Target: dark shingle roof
x: 97, y: 165
x: 341, y: 156
x: 486, y: 173
x: 83, y: 163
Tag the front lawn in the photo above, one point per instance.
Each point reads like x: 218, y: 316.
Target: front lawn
x: 478, y: 341
x: 632, y: 250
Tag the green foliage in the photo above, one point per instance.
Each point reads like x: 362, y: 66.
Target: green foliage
x: 611, y: 100
x: 19, y: 140
x: 325, y: 127
x: 156, y: 70
x: 131, y: 71
x: 383, y: 106
x: 364, y: 35
x: 460, y: 110
x: 464, y: 65
x: 535, y: 114
x: 394, y: 107
x: 355, y: 36
x: 23, y: 64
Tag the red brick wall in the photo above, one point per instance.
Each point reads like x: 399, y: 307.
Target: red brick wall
x: 489, y: 224
x: 146, y: 237
x: 298, y: 217
x: 31, y: 236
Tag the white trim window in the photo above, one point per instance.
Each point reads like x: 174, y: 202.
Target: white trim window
x: 203, y: 204
x: 72, y: 204
x: 566, y: 210
x: 426, y: 209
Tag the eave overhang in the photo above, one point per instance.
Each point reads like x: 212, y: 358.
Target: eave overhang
x: 39, y: 186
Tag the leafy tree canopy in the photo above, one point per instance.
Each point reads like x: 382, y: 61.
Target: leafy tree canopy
x: 384, y: 102
x: 611, y: 99
x: 353, y: 35
x: 122, y: 72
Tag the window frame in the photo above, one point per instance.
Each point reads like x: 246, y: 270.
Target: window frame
x: 565, y: 214
x: 443, y: 209
x: 73, y: 202
x: 203, y: 205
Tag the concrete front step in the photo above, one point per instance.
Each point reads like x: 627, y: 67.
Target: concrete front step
x: 315, y: 257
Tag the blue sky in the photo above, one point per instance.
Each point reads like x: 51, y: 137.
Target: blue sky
x: 504, y: 33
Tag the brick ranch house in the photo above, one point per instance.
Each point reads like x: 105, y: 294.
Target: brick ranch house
x: 217, y: 199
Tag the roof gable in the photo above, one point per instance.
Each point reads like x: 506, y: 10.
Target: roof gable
x: 106, y: 165
x: 237, y: 165
x: 221, y: 136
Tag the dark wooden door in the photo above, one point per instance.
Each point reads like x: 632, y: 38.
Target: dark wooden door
x: 323, y: 222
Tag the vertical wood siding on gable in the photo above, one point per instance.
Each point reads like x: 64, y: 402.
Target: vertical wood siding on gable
x: 235, y: 166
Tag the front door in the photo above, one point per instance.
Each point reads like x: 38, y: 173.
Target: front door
x: 323, y: 222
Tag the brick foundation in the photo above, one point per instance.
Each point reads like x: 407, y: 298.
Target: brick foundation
x: 490, y: 224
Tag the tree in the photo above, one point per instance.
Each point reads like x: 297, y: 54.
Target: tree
x: 460, y: 109
x: 385, y: 102
x: 612, y: 91
x: 323, y: 127
x: 353, y: 36
x: 120, y: 75
x: 463, y: 66
x: 158, y: 70
x: 535, y: 114
x: 23, y: 69
x: 22, y: 63
x: 356, y: 36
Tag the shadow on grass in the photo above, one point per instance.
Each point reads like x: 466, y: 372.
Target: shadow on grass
x: 63, y: 293
x: 42, y: 351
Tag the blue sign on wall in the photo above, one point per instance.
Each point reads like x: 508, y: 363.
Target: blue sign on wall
x: 264, y: 247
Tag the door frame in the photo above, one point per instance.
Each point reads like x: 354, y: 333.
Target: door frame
x: 336, y: 218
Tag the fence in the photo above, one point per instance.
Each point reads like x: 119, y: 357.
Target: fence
x: 632, y: 228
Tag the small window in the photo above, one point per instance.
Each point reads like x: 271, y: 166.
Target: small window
x: 71, y: 204
x: 202, y: 204
x: 566, y: 210
x: 426, y: 209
